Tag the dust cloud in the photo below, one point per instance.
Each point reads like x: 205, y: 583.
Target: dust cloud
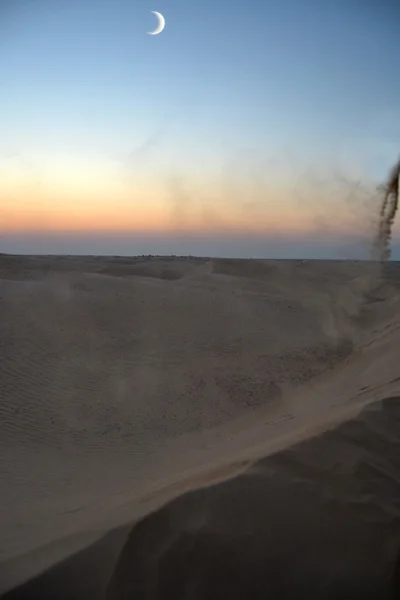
x: 387, y: 214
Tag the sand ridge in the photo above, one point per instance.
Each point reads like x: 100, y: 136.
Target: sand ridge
x: 124, y: 387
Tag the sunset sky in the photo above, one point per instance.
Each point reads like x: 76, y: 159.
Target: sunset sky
x: 246, y: 128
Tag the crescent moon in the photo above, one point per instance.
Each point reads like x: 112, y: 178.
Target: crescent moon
x: 161, y: 23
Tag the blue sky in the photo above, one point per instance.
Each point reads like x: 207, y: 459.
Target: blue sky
x: 289, y: 84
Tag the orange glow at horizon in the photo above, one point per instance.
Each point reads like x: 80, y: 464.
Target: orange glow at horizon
x: 108, y: 204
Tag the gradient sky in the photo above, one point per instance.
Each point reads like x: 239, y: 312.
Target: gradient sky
x: 240, y: 130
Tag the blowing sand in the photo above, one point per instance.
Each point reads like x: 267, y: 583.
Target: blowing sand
x: 187, y: 428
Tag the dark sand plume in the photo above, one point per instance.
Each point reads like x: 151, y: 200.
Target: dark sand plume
x: 205, y: 428
x: 387, y: 214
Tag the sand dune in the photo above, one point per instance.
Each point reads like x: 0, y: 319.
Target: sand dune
x: 199, y: 428
x: 320, y: 520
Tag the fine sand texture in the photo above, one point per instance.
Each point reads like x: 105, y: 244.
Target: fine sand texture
x: 199, y: 428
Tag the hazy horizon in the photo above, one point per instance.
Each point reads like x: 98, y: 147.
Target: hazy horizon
x: 216, y: 247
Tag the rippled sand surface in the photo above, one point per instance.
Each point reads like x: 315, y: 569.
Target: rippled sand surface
x: 198, y: 428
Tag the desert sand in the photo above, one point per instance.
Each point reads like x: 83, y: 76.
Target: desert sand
x: 199, y: 428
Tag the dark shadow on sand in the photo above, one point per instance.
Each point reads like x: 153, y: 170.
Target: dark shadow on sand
x: 318, y: 521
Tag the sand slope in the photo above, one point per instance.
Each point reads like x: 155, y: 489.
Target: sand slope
x: 320, y: 520
x: 126, y: 384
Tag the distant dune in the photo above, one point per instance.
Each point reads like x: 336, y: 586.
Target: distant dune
x: 203, y: 428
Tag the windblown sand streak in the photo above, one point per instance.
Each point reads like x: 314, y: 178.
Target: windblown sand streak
x: 387, y: 213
